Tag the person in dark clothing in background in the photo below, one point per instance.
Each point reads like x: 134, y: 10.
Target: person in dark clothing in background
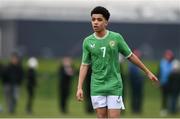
x: 1, y: 76
x: 13, y: 77
x: 173, y: 86
x: 88, y: 105
x: 65, y: 76
x: 1, y: 70
x: 165, y: 67
x: 122, y: 59
x: 31, y: 82
x: 136, y: 85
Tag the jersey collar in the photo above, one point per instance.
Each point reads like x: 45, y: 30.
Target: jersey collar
x: 107, y: 33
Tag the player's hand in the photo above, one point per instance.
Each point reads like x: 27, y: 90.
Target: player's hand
x: 153, y: 78
x: 79, y: 95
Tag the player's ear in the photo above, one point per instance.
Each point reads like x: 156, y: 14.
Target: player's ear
x: 106, y: 22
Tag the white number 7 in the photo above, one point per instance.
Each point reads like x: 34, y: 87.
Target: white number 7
x: 104, y: 50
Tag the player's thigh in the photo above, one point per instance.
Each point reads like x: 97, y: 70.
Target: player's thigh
x: 115, y: 105
x: 114, y: 113
x: 100, y: 105
x: 101, y: 112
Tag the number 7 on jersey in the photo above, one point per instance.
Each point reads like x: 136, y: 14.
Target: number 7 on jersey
x: 103, y: 49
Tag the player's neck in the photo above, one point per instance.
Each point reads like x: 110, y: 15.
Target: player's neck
x: 101, y: 33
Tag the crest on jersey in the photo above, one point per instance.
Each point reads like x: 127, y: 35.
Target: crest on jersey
x: 112, y: 43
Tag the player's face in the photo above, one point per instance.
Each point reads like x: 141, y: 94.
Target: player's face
x: 99, y: 23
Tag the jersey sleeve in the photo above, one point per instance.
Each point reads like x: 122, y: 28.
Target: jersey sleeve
x: 123, y: 47
x: 86, y: 53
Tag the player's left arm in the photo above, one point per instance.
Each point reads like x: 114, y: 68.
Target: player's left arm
x: 135, y: 60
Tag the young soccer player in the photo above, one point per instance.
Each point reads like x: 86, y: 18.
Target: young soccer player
x: 101, y: 50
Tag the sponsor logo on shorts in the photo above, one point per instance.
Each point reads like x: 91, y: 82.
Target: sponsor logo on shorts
x: 118, y: 100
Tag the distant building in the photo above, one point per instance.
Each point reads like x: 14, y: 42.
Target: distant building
x: 54, y: 28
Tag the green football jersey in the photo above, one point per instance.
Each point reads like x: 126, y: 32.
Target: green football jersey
x: 103, y: 55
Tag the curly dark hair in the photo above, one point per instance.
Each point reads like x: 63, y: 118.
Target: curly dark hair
x: 101, y: 10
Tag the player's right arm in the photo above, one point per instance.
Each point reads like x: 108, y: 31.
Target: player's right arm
x: 82, y: 75
x: 83, y: 70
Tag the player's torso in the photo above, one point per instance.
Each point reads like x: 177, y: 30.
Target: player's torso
x: 106, y: 77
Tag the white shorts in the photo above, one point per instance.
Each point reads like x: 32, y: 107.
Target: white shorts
x: 111, y: 102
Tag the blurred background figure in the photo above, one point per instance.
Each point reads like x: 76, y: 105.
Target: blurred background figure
x: 12, y: 80
x: 136, y: 85
x: 124, y: 75
x: 164, y: 70
x: 65, y: 76
x: 31, y: 82
x: 122, y: 60
x: 1, y: 75
x: 173, y: 86
x: 88, y: 104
